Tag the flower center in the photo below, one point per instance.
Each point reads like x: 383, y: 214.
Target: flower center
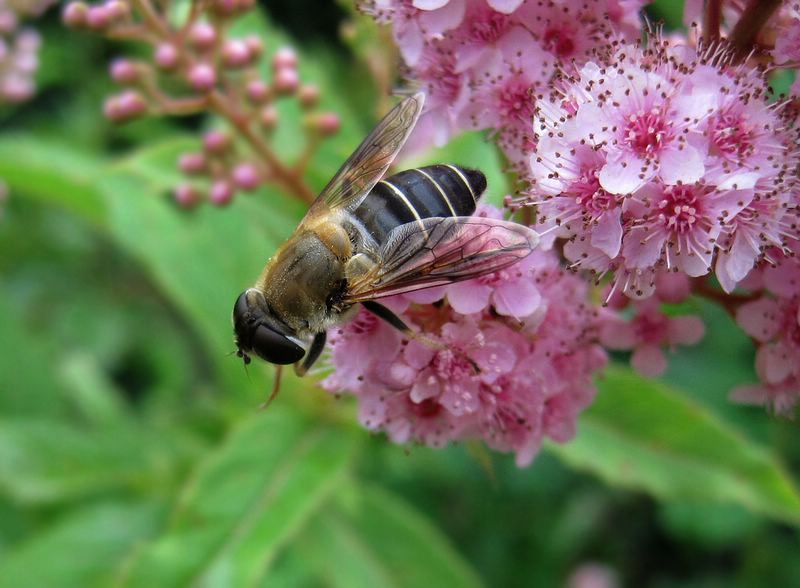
x: 442, y: 79
x: 428, y: 408
x: 589, y: 195
x: 651, y: 329
x: 680, y: 208
x: 646, y: 132
x: 488, y: 27
x: 364, y: 324
x: 515, y: 101
x: 559, y: 41
x: 450, y: 365
x: 731, y: 136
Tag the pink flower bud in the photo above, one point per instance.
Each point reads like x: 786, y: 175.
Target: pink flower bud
x: 8, y: 21
x: 203, y: 35
x: 16, y: 88
x: 254, y: 45
x: 98, y: 18
x: 246, y: 176
x: 286, y: 81
x: 225, y: 7
x: 221, y: 193
x: 75, y: 14
x: 216, y: 142
x: 125, y: 106
x: 285, y: 57
x: 166, y: 56
x: 124, y: 71
x: 327, y: 123
x: 269, y: 117
x: 117, y: 10
x: 202, y: 77
x: 29, y: 41
x: 257, y: 91
x: 186, y: 196
x: 235, y: 53
x: 309, y: 96
x: 192, y: 163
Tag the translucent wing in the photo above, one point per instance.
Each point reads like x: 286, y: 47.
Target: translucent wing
x: 369, y: 162
x: 439, y: 251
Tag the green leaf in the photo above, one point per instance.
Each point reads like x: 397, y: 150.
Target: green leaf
x: 53, y: 173
x: 245, y: 501
x: 81, y: 549
x: 373, y: 539
x: 643, y: 435
x: 28, y: 384
x: 43, y: 461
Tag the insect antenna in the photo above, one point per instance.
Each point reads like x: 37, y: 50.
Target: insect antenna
x: 276, y: 387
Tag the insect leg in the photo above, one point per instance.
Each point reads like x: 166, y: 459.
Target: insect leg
x: 384, y: 313
x: 317, y: 345
x: 387, y: 315
x: 276, y: 387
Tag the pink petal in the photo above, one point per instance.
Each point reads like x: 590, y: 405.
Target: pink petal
x: 685, y: 330
x: 773, y: 363
x: 624, y: 176
x: 607, y: 235
x: 617, y: 334
x: 760, y: 319
x: 418, y: 355
x: 468, y: 297
x: 519, y: 299
x: 426, y: 386
x: 642, y: 248
x: 427, y: 296
x: 505, y: 6
x: 681, y: 165
x: 446, y: 18
x: 649, y: 361
x: 428, y: 4
x: 410, y: 42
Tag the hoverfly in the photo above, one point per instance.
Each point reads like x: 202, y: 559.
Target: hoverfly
x: 365, y: 238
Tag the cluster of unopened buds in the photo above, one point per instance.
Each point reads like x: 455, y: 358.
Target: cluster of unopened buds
x: 195, y: 67
x: 19, y: 49
x: 648, y: 167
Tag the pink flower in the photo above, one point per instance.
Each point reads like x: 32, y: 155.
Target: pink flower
x: 664, y: 158
x: 416, y: 22
x: 510, y: 382
x: 647, y: 333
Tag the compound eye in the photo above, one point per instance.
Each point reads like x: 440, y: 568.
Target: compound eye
x: 241, y: 308
x: 273, y: 347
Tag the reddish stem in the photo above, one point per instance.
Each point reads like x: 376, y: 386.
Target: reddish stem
x: 284, y: 175
x: 712, y: 17
x: 753, y: 18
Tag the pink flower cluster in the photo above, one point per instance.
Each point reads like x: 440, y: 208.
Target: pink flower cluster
x: 665, y: 158
x: 19, y: 50
x: 507, y: 358
x: 653, y: 167
x: 483, y: 63
x: 772, y: 320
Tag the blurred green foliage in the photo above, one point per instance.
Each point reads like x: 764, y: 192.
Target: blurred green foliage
x: 132, y: 452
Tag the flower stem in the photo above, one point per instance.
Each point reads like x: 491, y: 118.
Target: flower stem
x: 753, y: 18
x: 292, y: 181
x: 712, y: 16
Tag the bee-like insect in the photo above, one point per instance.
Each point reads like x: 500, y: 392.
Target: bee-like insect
x: 365, y: 238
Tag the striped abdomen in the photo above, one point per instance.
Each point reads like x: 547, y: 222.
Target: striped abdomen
x: 414, y: 194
